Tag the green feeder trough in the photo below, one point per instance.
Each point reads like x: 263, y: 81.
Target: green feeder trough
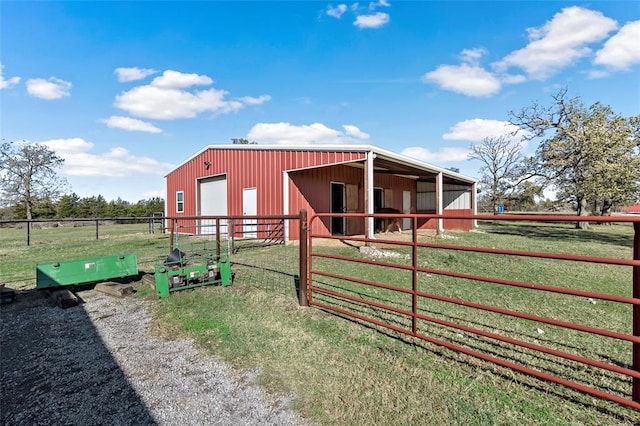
x: 86, y: 271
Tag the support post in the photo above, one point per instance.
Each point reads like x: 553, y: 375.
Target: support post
x: 28, y: 233
x: 303, y: 297
x: 474, y: 202
x: 439, y: 209
x: 414, y: 278
x: 97, y: 228
x: 368, y: 195
x: 636, y: 311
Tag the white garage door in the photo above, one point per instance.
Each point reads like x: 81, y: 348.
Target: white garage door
x: 213, y: 202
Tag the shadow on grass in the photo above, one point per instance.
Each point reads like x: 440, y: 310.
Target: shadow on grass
x: 562, y: 232
x: 55, y: 369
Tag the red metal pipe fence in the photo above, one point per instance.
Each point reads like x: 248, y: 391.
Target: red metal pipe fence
x: 405, y: 309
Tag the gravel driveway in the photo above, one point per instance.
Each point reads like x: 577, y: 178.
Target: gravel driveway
x: 98, y: 364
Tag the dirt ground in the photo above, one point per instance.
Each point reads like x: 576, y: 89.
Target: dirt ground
x: 97, y: 363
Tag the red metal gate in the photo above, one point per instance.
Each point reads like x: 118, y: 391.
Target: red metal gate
x: 403, y: 303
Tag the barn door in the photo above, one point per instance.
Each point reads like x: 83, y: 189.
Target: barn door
x: 406, y: 208
x: 249, y: 208
x: 213, y: 202
x: 352, y: 207
x: 388, y: 198
x: 337, y: 206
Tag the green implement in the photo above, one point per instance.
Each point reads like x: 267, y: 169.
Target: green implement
x: 86, y: 271
x: 170, y: 278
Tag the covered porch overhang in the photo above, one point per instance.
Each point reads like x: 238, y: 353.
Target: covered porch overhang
x: 377, y: 164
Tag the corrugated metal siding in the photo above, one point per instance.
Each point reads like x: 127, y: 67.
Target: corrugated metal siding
x: 261, y: 169
x: 454, y: 197
x: 308, y: 189
x: 311, y: 190
x: 451, y: 224
x: 397, y: 184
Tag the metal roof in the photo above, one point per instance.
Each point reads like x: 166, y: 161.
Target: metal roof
x: 385, y: 161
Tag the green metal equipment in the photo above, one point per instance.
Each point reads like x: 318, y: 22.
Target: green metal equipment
x: 86, y: 271
x: 197, y: 267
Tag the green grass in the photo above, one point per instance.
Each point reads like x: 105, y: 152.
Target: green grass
x: 342, y: 371
x: 18, y: 261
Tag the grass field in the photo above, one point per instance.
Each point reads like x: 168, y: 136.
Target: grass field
x: 340, y: 371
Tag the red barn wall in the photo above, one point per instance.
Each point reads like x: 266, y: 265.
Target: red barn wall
x: 309, y: 189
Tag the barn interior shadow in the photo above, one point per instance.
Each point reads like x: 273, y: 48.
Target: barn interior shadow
x: 56, y: 369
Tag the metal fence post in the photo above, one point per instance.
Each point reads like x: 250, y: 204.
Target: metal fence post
x: 217, y: 238
x: 636, y: 311
x: 97, y: 221
x: 414, y: 278
x: 303, y: 297
x: 28, y: 233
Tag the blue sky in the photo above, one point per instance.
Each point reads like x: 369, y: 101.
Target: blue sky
x: 124, y: 91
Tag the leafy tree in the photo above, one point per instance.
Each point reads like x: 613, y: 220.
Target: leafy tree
x: 587, y: 154
x: 28, y: 174
x: 243, y: 141
x: 501, y: 158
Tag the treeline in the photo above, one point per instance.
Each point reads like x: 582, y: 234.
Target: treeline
x: 73, y: 206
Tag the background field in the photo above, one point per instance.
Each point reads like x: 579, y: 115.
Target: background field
x: 339, y: 371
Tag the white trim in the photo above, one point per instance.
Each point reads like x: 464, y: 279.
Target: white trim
x: 178, y: 210
x: 439, y: 209
x: 285, y: 203
x: 369, y: 189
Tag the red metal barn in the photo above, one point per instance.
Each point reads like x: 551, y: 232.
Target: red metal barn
x: 236, y: 180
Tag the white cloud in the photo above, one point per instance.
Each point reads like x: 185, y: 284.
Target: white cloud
x: 594, y: 74
x: 477, y: 129
x: 133, y: 74
x: 316, y: 133
x: 249, y: 100
x: 380, y: 3
x: 513, y: 78
x: 559, y: 43
x: 376, y: 20
x: 177, y: 80
x: 445, y: 155
x: 131, y: 124
x: 622, y: 50
x: 6, y: 84
x: 337, y: 11
x: 53, y: 88
x: 470, y: 80
x: 472, y: 56
x: 355, y: 132
x: 166, y: 98
x: 80, y: 161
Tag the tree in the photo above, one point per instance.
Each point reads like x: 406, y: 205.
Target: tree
x: 243, y: 141
x: 587, y: 154
x: 501, y: 158
x: 93, y: 206
x: 28, y: 174
x: 68, y: 206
